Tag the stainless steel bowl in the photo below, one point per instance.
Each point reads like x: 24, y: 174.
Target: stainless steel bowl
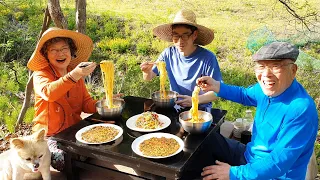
x: 195, y: 128
x: 164, y: 103
x: 106, y: 112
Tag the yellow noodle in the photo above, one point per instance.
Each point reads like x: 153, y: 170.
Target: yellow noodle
x: 159, y: 146
x: 194, y: 109
x: 161, y: 65
x: 107, y: 69
x: 100, y: 134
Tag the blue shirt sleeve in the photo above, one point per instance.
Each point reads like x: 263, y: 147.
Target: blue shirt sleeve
x: 245, y: 96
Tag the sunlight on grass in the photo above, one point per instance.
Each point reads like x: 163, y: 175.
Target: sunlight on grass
x: 232, y: 21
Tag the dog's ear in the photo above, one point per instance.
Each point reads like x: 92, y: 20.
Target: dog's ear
x: 39, y: 135
x: 16, y: 143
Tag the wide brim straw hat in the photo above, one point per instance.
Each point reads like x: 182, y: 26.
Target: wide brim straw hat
x: 185, y: 16
x: 83, y: 43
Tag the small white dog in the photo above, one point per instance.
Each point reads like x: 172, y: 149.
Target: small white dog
x: 28, y: 155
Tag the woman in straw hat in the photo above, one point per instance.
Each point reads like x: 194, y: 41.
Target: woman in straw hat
x: 60, y: 92
x: 186, y: 60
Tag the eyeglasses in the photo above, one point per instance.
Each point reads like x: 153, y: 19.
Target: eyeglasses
x: 64, y: 50
x: 274, y: 68
x: 184, y: 37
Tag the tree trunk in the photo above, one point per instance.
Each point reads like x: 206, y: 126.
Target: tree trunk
x: 56, y: 14
x: 26, y: 102
x: 81, y: 16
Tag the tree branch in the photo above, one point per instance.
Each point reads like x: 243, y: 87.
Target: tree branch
x: 294, y: 14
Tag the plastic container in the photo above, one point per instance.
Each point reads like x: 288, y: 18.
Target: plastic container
x: 238, y: 127
x: 248, y: 118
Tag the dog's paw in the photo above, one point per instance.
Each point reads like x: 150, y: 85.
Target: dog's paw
x: 32, y: 176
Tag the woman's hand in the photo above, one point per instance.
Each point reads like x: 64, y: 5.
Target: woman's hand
x: 83, y: 69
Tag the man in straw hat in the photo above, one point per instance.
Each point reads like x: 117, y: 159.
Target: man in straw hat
x: 186, y: 60
x: 285, y: 125
x: 60, y: 92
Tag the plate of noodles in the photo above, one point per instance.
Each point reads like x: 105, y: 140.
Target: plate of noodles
x: 157, y: 145
x: 99, y: 133
x: 148, y: 122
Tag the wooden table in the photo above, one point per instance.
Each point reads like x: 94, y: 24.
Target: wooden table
x: 120, y: 152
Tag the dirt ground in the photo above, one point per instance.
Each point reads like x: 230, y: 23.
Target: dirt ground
x: 5, y: 136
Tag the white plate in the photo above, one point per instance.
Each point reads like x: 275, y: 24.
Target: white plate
x: 136, y: 143
x: 131, y: 123
x: 79, y: 133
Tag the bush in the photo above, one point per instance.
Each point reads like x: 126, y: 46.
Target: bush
x: 116, y: 45
x: 144, y: 48
x: 17, y: 35
x: 104, y: 27
x: 13, y: 78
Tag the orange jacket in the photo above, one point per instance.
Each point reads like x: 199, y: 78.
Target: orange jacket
x: 59, y: 101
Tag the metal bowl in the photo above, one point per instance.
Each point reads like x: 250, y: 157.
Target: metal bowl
x: 106, y: 112
x: 164, y: 103
x: 195, y: 128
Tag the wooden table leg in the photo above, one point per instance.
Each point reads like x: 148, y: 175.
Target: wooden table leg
x: 70, y: 169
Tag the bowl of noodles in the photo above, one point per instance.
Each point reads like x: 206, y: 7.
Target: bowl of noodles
x: 164, y: 100
x: 106, y: 112
x: 195, y: 127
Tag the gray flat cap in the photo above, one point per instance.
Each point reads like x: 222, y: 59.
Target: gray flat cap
x: 277, y: 51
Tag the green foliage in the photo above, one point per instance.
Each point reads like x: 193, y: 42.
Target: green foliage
x: 13, y: 78
x: 104, y: 27
x: 16, y: 36
x: 4, y: 102
x: 116, y: 45
x: 70, y: 15
x: 10, y: 116
x: 144, y: 48
x: 29, y: 115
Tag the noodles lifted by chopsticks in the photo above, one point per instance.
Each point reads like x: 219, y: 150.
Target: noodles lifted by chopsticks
x: 159, y: 146
x: 100, y: 134
x: 161, y: 65
x: 148, y: 120
x: 194, y: 109
x: 107, y: 69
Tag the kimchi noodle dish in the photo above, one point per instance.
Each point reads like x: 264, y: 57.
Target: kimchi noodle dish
x: 148, y: 120
x: 159, y: 147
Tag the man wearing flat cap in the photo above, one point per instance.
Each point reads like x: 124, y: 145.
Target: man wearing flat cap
x: 285, y: 125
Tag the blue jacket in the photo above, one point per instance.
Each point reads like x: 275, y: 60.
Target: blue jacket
x: 283, y: 135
